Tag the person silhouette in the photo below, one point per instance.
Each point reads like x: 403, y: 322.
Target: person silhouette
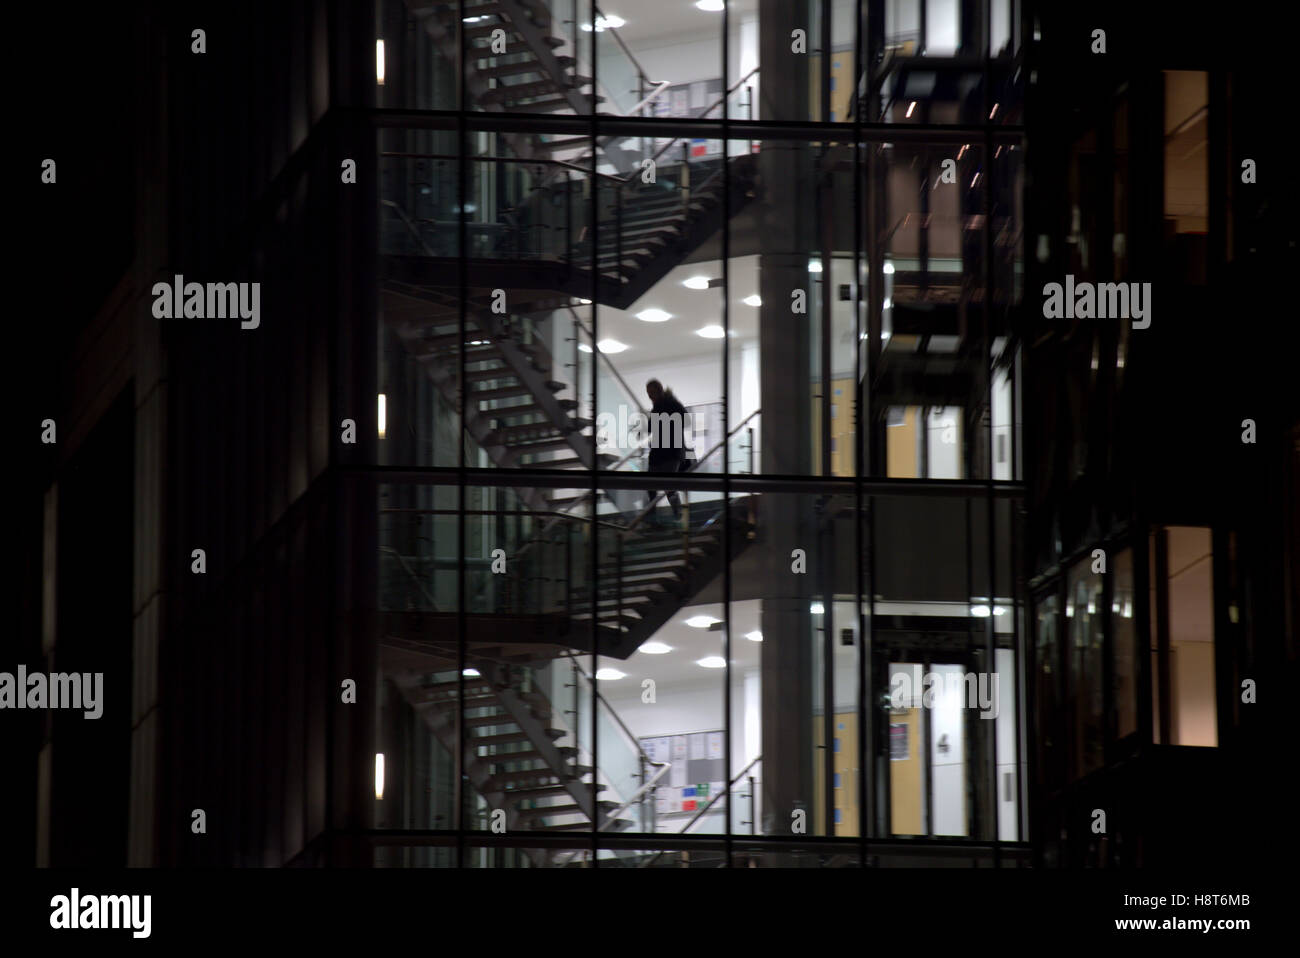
x: 668, y: 418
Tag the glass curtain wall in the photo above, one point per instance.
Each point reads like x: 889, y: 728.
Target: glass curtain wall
x: 699, y: 435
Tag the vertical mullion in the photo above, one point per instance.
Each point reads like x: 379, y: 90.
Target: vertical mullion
x: 858, y: 458
x: 726, y: 405
x: 462, y: 229
x: 594, y: 527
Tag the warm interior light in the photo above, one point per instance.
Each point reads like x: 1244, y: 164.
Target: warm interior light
x: 711, y: 332
x: 379, y: 62
x: 712, y: 662
x: 754, y: 300
x: 610, y: 675
x: 379, y: 775
x: 653, y: 315
x: 755, y: 636
x: 696, y: 282
x: 701, y: 621
x: 383, y: 415
x: 655, y: 648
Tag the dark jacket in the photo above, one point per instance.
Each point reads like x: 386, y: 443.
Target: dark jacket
x: 668, y: 428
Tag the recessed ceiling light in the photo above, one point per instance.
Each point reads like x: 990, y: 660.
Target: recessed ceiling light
x: 755, y: 636
x: 814, y: 266
x: 889, y: 269
x: 817, y: 608
x: 709, y: 6
x: 889, y: 303
x: 583, y: 348
x: 612, y: 20
x: 610, y: 675
x: 584, y: 302
x: 712, y: 662
x: 611, y: 346
x: 653, y: 315
x: 655, y: 648
x: 696, y: 282
x: 471, y: 673
x: 711, y: 332
x: 474, y: 19
x: 701, y: 621
x: 754, y: 300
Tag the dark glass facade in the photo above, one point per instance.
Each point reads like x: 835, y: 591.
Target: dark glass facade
x: 423, y: 569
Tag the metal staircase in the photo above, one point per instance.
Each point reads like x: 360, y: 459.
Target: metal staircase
x: 651, y: 572
x: 520, y: 756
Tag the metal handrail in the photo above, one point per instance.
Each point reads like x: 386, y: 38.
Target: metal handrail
x: 608, y: 362
x: 636, y: 796
x: 626, y: 731
x: 640, y: 70
x: 500, y: 159
x: 713, y: 106
x: 703, y: 811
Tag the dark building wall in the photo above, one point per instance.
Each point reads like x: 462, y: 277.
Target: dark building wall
x: 221, y: 438
x: 1133, y: 428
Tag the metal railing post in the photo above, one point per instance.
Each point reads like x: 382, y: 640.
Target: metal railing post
x: 618, y: 234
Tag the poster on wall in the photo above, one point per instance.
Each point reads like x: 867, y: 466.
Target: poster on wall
x: 697, y: 773
x: 898, y: 746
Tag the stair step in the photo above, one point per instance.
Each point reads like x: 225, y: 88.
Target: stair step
x: 555, y: 386
x: 501, y: 392
x: 664, y: 553
x: 550, y: 105
x: 483, y: 721
x: 472, y: 687
x: 619, y: 825
x: 627, y: 600
x: 513, y: 69
x: 502, y: 739
x: 531, y: 778
x: 486, y: 375
x: 527, y: 755
x: 521, y: 91
x: 515, y: 794
x: 544, y: 446
x: 565, y: 143
x: 608, y: 616
x: 484, y: 31
x: 514, y: 47
x: 548, y: 811
x: 509, y: 435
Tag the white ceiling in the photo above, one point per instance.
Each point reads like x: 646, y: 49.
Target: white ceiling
x: 651, y: 20
x: 689, y: 645
x: 691, y: 309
